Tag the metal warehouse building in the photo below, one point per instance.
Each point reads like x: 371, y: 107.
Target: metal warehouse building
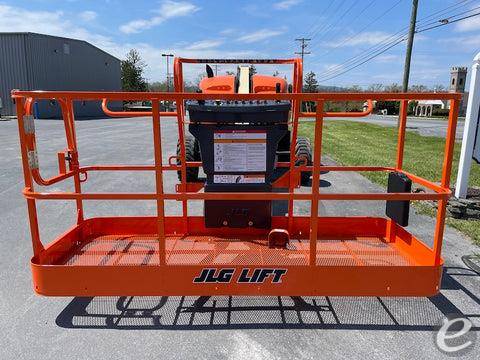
x: 30, y: 61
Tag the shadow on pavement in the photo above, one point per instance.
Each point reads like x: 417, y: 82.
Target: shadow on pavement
x: 227, y: 312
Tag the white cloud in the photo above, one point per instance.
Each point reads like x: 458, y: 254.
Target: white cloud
x: 286, y: 4
x: 259, y: 35
x: 57, y: 23
x: 470, y: 24
x: 388, y: 58
x: 465, y: 43
x: 20, y: 20
x: 334, y: 66
x: 229, y: 31
x: 204, y: 44
x: 168, y: 10
x: 365, y: 38
x: 88, y: 15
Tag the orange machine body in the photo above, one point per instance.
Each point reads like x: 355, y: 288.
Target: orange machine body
x: 218, y: 84
x: 267, y: 84
x: 177, y: 255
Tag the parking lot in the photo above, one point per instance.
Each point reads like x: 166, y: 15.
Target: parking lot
x: 184, y: 327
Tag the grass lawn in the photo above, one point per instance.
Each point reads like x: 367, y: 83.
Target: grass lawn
x: 356, y: 143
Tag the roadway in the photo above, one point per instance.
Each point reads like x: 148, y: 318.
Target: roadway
x: 424, y: 126
x: 224, y: 327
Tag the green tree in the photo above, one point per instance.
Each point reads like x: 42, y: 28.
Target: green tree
x: 310, y: 86
x: 132, y: 72
x: 392, y: 107
x: 158, y: 86
x: 411, y: 107
x: 311, y: 83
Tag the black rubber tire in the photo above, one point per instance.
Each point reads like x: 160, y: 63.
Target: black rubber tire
x: 303, y: 154
x: 192, y: 153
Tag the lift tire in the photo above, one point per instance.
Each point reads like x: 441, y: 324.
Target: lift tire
x: 192, y: 153
x: 303, y: 153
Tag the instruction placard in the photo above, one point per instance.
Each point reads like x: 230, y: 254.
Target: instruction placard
x: 238, y: 179
x: 236, y: 151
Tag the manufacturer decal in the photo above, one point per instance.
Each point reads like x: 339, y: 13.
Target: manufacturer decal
x: 244, y: 276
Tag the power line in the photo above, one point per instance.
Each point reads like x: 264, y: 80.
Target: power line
x: 447, y: 22
x: 335, y: 23
x: 303, y: 45
x: 364, y: 28
x: 314, y: 25
x: 392, y: 38
x: 379, y: 46
x: 322, y: 27
x: 385, y: 43
x: 451, y: 16
x: 408, y: 53
x: 394, y: 44
x: 320, y: 16
x: 363, y: 62
x: 358, y: 33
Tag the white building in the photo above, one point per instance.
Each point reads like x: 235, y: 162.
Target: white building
x: 458, y: 77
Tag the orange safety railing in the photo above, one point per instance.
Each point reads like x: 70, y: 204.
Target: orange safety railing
x: 55, y: 280
x: 440, y: 192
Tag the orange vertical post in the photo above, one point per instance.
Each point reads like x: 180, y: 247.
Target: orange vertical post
x: 178, y: 82
x: 402, y: 125
x: 317, y: 154
x: 445, y: 182
x: 296, y: 104
x: 157, y: 146
x: 31, y: 205
x: 74, y: 163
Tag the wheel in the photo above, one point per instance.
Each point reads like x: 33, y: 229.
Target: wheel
x: 303, y: 154
x: 192, y: 153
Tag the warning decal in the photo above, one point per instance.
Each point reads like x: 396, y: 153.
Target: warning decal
x: 238, y: 151
x: 238, y: 179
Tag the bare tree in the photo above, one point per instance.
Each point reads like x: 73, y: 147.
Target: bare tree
x: 375, y: 88
x: 418, y: 88
x: 439, y: 88
x: 393, y: 88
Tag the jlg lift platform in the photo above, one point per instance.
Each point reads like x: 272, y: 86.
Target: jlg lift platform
x: 245, y: 130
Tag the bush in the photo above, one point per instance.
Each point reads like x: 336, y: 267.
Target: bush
x: 440, y: 112
x: 392, y: 107
x: 411, y: 107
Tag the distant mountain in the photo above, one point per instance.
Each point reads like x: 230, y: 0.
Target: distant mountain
x: 325, y: 88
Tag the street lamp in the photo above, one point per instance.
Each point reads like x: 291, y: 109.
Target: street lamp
x: 168, y: 73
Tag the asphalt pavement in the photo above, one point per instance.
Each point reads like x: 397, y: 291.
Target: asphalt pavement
x: 35, y: 327
x: 423, y: 126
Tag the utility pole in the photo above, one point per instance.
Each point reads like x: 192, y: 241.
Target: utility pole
x: 216, y: 69
x: 303, y: 45
x: 408, y: 55
x: 168, y: 70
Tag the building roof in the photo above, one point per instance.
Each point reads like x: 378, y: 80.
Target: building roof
x: 57, y: 37
x: 431, y: 102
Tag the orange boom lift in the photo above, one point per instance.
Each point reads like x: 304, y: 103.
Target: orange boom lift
x: 192, y: 255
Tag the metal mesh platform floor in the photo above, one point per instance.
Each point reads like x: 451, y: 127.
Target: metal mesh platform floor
x: 135, y: 250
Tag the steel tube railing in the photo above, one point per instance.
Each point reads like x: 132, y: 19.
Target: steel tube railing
x: 25, y: 99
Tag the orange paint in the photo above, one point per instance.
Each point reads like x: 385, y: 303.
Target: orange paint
x: 356, y: 256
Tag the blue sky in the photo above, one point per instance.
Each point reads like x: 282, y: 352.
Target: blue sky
x: 195, y: 28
